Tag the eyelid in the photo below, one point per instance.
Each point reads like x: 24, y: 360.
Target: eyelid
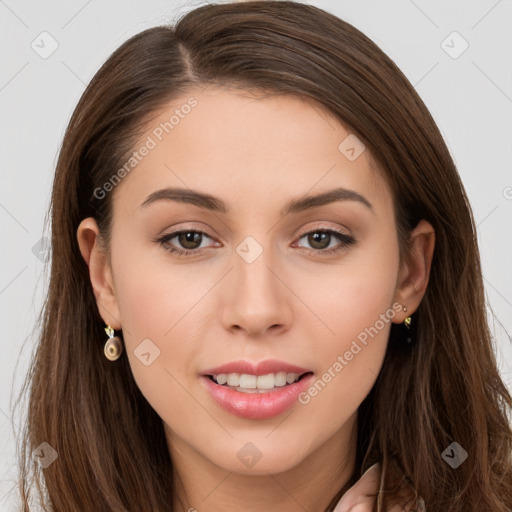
x: 187, y: 227
x: 322, y: 227
x: 318, y: 226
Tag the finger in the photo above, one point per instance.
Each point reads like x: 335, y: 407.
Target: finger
x: 368, y: 507
x: 356, y: 495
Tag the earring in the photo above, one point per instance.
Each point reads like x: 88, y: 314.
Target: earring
x: 113, y: 347
x: 407, y: 324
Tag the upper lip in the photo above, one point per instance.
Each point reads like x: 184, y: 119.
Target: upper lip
x: 261, y: 368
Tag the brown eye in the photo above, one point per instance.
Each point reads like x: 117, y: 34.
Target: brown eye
x: 320, y: 241
x: 187, y: 242
x: 190, y: 239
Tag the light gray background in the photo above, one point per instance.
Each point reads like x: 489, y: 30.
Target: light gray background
x: 470, y: 98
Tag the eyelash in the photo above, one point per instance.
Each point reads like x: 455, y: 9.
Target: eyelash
x: 346, y: 240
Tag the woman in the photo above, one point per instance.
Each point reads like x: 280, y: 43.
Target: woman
x: 265, y: 283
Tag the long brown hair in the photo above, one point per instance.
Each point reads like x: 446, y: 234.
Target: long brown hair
x: 444, y: 388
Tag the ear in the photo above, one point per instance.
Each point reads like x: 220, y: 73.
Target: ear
x: 415, y: 271
x: 100, y: 272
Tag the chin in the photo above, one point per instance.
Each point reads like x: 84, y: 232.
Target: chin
x: 248, y: 459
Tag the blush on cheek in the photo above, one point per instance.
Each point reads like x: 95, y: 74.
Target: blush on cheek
x: 349, y: 308
x: 362, y: 325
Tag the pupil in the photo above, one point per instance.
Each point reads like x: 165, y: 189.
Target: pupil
x: 188, y: 237
x: 316, y: 239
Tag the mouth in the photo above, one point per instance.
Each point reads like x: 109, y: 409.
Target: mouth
x: 256, y: 391
x: 256, y: 397
x: 249, y: 383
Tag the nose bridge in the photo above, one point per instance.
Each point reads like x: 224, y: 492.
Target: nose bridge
x: 258, y: 300
x: 254, y: 279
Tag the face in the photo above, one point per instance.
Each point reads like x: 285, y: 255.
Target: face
x: 311, y: 285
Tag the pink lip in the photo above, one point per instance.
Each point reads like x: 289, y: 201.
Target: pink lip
x: 261, y: 368
x: 256, y: 406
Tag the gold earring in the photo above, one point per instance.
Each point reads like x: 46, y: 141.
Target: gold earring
x: 407, y: 321
x: 113, y: 347
x: 407, y: 324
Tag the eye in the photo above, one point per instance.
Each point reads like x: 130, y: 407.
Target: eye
x: 189, y: 239
x: 320, y: 240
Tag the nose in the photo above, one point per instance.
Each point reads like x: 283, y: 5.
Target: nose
x: 258, y: 300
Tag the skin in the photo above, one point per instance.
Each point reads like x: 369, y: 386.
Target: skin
x: 204, y: 310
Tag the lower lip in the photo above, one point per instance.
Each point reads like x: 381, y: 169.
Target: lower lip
x: 256, y: 406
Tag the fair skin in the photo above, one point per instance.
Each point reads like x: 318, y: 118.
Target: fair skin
x: 213, y: 307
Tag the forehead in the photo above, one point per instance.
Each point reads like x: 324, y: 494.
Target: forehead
x: 246, y: 146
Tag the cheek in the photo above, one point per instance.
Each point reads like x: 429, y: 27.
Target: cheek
x: 157, y: 312
x: 356, y: 304
x: 358, y: 317
x: 153, y: 294
x: 160, y: 304
x: 351, y: 297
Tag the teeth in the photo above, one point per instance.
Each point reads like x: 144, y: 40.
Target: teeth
x: 249, y: 382
x: 291, y: 377
x: 221, y: 378
x: 265, y: 381
x: 233, y: 379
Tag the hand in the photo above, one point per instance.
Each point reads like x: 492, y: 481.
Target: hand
x: 355, y: 499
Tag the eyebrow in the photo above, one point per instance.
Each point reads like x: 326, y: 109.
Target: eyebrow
x: 209, y: 202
